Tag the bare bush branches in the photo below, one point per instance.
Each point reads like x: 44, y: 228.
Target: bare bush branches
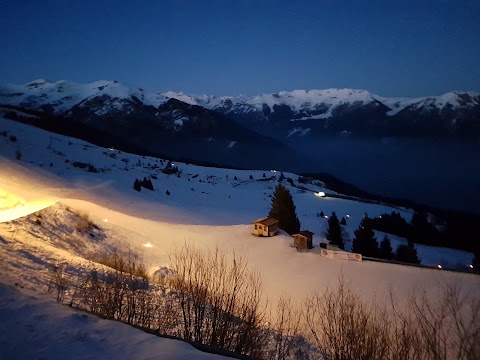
x: 84, y: 223
x: 130, y: 263
x: 442, y: 327
x: 219, y: 299
x: 428, y: 328
x: 345, y: 328
x: 287, y: 338
x: 215, y: 299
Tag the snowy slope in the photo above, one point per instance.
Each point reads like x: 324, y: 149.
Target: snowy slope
x: 205, y: 207
x: 203, y: 196
x: 45, y: 330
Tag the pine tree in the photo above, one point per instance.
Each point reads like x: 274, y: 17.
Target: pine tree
x: 386, y: 251
x: 322, y: 214
x: 147, y: 184
x: 422, y: 231
x: 136, y: 185
x: 334, y: 231
x: 343, y: 221
x: 283, y: 209
x: 364, y: 241
x: 407, y: 253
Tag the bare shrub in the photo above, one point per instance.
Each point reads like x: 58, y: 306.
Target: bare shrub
x: 215, y: 299
x: 286, y: 338
x: 84, y: 223
x: 343, y: 327
x: 428, y: 327
x: 219, y: 299
x: 440, y: 327
x: 58, y: 282
x: 130, y: 263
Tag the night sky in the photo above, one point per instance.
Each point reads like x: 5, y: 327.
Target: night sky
x: 392, y: 48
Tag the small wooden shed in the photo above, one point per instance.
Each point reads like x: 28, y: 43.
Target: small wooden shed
x: 265, y: 227
x: 303, y: 240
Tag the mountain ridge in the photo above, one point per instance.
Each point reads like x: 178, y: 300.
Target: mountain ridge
x: 281, y: 115
x: 301, y: 97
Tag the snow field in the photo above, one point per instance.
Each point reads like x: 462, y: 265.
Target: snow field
x: 209, y: 210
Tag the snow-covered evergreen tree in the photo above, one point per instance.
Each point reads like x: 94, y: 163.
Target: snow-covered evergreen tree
x: 283, y: 209
x: 365, y: 242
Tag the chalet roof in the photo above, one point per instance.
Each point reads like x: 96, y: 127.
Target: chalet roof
x: 306, y: 233
x: 267, y: 221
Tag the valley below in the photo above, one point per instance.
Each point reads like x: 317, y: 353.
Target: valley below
x: 441, y: 174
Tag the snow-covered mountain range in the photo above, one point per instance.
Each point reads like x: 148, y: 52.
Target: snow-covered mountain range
x: 346, y: 111
x: 248, y: 132
x: 309, y: 100
x: 350, y: 111
x: 112, y: 114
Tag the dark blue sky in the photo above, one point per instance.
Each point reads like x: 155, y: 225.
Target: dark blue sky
x: 392, y: 48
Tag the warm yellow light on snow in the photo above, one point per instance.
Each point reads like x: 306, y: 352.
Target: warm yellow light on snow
x: 23, y: 209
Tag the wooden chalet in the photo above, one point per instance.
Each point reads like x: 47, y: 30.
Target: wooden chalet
x: 265, y: 227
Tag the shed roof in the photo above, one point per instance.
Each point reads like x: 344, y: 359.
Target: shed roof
x: 306, y: 233
x: 267, y: 221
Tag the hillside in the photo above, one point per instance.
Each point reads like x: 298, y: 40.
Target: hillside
x: 197, y: 195
x: 73, y: 201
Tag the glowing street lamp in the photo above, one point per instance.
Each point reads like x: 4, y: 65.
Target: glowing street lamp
x: 320, y: 194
